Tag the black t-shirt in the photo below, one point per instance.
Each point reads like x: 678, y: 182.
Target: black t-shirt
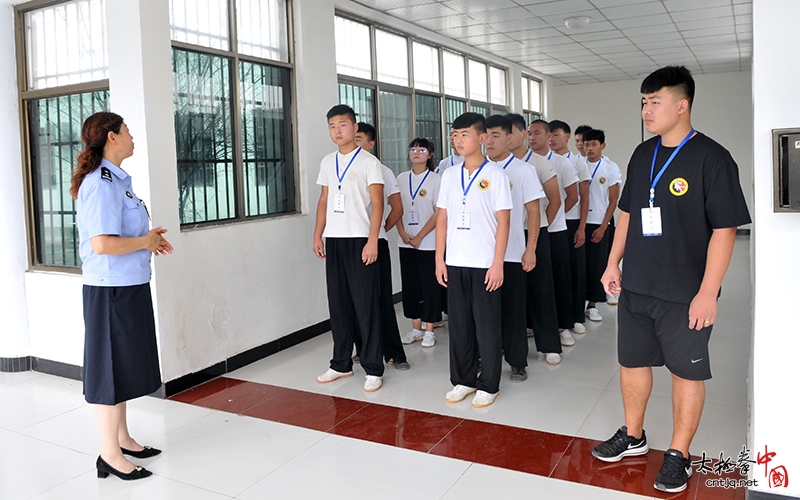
x: 699, y: 192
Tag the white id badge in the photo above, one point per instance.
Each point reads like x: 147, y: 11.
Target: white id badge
x: 338, y: 203
x: 413, y: 218
x: 651, y: 221
x: 463, y: 220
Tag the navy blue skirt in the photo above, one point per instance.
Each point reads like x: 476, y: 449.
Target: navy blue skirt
x: 120, y: 356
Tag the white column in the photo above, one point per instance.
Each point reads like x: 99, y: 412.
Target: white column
x: 776, y: 240
x: 14, y: 338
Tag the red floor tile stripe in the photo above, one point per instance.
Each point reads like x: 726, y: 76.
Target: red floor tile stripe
x: 546, y: 454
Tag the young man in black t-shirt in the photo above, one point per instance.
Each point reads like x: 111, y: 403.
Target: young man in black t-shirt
x: 679, y: 211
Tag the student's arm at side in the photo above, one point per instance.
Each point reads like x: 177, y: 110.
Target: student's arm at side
x: 494, y: 276
x: 580, y: 234
x: 553, y: 198
x: 612, y: 277
x: 429, y: 226
x: 319, y: 227
x: 370, y: 252
x: 401, y: 231
x: 529, y: 257
x: 704, y: 305
x: 441, y: 242
x: 572, y: 196
x: 613, y: 196
x: 395, y: 211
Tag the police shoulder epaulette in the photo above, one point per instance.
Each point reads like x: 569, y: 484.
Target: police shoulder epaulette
x: 105, y: 174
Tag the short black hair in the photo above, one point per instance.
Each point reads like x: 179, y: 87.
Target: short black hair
x: 468, y: 120
x: 675, y: 78
x: 501, y: 121
x: 422, y: 142
x: 342, y: 109
x: 544, y: 124
x: 582, y: 129
x: 369, y: 130
x: 517, y: 120
x: 594, y: 135
x: 560, y: 125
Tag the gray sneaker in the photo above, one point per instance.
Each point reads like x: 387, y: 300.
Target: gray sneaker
x: 518, y: 374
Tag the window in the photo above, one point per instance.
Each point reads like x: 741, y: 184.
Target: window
x: 531, y: 95
x: 415, y: 89
x: 426, y: 67
x: 352, y: 48
x: 232, y: 116
x: 65, y: 79
x: 392, y: 57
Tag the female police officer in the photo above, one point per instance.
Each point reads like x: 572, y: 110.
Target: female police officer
x: 120, y: 354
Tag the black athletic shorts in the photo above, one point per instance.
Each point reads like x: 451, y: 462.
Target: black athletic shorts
x: 655, y: 332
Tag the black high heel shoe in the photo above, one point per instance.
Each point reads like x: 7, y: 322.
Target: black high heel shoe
x: 147, y: 452
x: 103, y: 470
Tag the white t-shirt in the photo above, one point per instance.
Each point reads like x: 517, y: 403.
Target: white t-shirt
x: 475, y: 213
x: 423, y: 203
x: 582, y: 171
x: 525, y: 187
x: 448, y: 162
x: 350, y: 217
x: 390, y: 187
x: 566, y: 176
x: 604, y: 174
x: 544, y: 171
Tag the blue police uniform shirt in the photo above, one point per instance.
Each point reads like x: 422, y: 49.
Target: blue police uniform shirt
x: 107, y: 205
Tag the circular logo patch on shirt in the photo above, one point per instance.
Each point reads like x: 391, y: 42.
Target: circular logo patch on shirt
x: 511, y: 185
x: 678, y: 186
x: 602, y: 180
x: 423, y: 193
x: 483, y: 184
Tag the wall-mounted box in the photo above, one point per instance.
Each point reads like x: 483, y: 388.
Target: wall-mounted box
x: 786, y: 159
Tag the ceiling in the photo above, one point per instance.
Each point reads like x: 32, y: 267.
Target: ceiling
x: 626, y: 39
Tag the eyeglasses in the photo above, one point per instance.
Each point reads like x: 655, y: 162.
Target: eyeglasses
x: 418, y: 150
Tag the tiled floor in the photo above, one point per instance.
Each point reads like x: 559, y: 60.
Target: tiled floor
x: 269, y: 430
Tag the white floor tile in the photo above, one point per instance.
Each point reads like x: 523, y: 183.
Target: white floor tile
x: 16, y: 377
x: 29, y: 467
x: 89, y: 487
x: 227, y: 453
x: 485, y: 482
x: 37, y: 399
x: 339, y: 467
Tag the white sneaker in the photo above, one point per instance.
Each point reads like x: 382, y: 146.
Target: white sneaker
x: 553, y: 358
x: 593, y: 314
x: 411, y: 337
x: 429, y: 340
x: 458, y: 393
x: 612, y: 300
x: 331, y: 375
x: 444, y: 317
x: 372, y: 383
x: 566, y: 338
x: 578, y: 328
x: 483, y: 399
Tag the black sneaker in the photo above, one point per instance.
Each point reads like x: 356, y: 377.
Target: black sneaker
x: 674, y: 473
x: 621, y: 445
x: 518, y: 374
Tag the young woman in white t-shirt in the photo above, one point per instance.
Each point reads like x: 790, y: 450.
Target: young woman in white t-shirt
x: 419, y: 189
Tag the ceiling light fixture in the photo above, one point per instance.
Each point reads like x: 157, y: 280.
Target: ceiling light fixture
x: 577, y: 23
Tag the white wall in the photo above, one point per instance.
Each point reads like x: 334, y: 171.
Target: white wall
x: 14, y: 341
x: 722, y: 110
x: 776, y: 242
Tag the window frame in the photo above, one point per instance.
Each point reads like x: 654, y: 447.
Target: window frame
x: 24, y: 97
x: 290, y: 128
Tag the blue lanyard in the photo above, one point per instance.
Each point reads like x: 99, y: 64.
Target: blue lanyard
x: 653, y: 182
x: 595, y: 170
x: 529, y: 156
x: 508, y: 162
x: 452, y: 160
x: 411, y: 189
x: 341, y: 177
x: 469, y: 186
x: 550, y: 155
x: 569, y: 154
